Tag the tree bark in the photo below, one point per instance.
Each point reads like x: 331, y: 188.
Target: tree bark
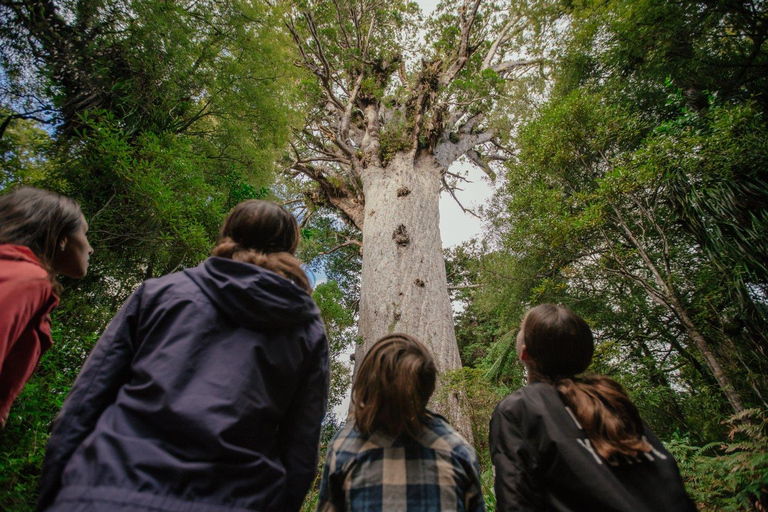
x: 709, y: 356
x: 404, y: 286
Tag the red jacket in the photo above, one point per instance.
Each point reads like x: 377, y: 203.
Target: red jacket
x: 26, y: 300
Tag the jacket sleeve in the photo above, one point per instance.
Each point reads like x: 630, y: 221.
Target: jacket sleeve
x: 96, y: 387
x: 25, y: 304
x: 330, y: 498
x: 514, y: 462
x: 299, y: 435
x: 473, y: 493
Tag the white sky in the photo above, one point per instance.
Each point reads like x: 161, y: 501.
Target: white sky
x: 455, y: 225
x: 427, y: 6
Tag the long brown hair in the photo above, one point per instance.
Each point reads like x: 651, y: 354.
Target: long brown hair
x: 265, y: 234
x: 560, y: 345
x: 393, y: 385
x: 38, y: 219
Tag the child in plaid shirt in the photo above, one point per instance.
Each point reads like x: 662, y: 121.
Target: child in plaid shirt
x: 393, y: 454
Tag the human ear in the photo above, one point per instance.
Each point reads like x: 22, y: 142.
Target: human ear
x: 63, y: 243
x: 523, y: 353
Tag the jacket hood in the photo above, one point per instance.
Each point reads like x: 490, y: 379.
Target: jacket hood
x: 18, y: 253
x: 252, y: 296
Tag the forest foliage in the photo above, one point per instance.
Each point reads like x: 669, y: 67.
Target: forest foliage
x: 638, y: 196
x: 634, y: 191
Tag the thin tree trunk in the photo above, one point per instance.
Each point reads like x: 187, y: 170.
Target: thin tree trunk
x: 709, y: 356
x: 404, y: 286
x: 659, y: 378
x: 665, y: 295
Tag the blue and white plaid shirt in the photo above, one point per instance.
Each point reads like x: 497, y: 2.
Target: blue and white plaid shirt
x: 437, y: 471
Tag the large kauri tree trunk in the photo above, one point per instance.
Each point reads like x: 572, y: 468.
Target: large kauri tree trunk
x: 381, y: 135
x: 404, y: 287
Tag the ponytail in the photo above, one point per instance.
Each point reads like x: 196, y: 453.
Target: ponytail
x: 606, y: 414
x: 263, y: 233
x: 281, y: 263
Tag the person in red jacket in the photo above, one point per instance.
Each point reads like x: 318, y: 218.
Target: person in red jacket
x: 42, y: 235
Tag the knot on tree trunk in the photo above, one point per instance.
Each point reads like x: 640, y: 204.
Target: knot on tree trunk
x: 400, y: 236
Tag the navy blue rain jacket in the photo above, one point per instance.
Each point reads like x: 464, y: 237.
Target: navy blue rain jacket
x: 205, y: 393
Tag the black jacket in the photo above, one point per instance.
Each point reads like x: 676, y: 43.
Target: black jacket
x: 544, y: 462
x: 205, y: 393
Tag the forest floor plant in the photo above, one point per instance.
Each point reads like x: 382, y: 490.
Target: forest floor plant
x: 731, y: 476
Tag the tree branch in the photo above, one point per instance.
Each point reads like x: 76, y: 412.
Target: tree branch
x: 450, y: 190
x: 464, y: 287
x: 510, y: 65
x: 463, y: 51
x: 349, y: 242
x: 501, y: 39
x: 481, y: 162
x: 26, y: 115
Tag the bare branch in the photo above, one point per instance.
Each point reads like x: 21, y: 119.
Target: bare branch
x: 464, y: 287
x: 345, y: 119
x: 453, y: 195
x: 323, y: 71
x: 470, y: 123
x: 501, y: 39
x: 448, y: 152
x: 510, y: 65
x: 457, y: 176
x: 348, y: 243
x: 96, y: 215
x: 481, y: 162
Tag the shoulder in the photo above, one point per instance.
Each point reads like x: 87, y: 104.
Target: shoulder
x: 169, y: 287
x: 533, y: 398
x: 23, y: 270
x: 345, y: 445
x: 529, y: 411
x: 440, y: 435
x: 23, y: 279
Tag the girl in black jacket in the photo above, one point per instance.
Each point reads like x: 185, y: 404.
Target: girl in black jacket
x: 207, y: 390
x: 575, y: 444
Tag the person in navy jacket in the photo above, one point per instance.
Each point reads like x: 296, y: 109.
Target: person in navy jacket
x: 206, y: 392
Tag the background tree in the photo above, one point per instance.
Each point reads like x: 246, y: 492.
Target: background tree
x: 157, y: 117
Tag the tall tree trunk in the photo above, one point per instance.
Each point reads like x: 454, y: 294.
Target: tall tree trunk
x: 709, y: 356
x: 666, y: 295
x: 404, y: 286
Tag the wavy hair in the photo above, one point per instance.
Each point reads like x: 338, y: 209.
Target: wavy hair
x: 560, y: 345
x: 393, y: 385
x: 263, y: 233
